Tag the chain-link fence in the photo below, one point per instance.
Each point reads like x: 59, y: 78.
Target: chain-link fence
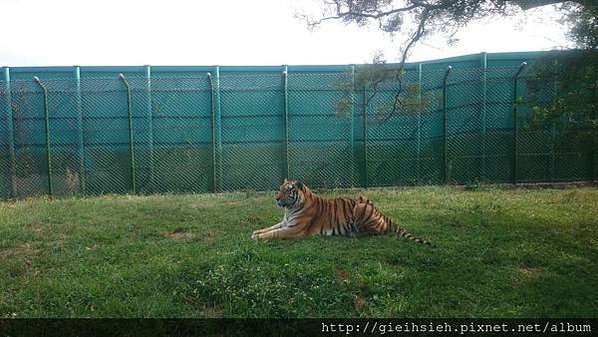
x: 213, y: 131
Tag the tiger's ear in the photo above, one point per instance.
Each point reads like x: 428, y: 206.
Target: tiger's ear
x: 286, y: 180
x: 299, y: 185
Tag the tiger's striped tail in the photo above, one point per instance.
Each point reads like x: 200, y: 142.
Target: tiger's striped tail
x: 402, y: 232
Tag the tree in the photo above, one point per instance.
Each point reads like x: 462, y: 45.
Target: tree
x: 418, y: 19
x: 583, y: 23
x: 570, y: 106
x: 421, y: 18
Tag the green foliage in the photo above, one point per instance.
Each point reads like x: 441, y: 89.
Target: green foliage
x: 562, y: 93
x: 409, y: 99
x: 343, y: 107
x: 412, y: 100
x: 583, y: 24
x: 371, y: 75
x: 419, y: 19
x: 498, y: 253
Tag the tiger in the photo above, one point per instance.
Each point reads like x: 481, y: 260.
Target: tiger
x: 308, y: 214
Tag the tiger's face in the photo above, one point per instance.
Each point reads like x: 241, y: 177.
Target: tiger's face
x: 289, y: 194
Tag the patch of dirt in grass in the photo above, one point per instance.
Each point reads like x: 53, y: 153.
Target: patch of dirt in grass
x: 20, y: 250
x: 523, y: 276
x: 530, y: 271
x: 359, y: 303
x: 39, y: 228
x: 214, y: 311
x: 210, y: 235
x: 199, y: 206
x: 209, y: 310
x: 184, y: 234
x: 92, y: 248
x: 179, y: 233
x: 342, y: 276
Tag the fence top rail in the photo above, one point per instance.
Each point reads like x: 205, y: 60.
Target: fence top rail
x: 340, y: 80
x: 501, y: 56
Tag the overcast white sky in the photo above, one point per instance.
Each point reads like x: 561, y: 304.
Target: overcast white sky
x: 228, y: 32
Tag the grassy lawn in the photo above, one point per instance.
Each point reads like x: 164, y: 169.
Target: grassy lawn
x: 497, y: 253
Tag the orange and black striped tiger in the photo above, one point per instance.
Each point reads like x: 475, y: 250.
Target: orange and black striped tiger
x: 306, y: 214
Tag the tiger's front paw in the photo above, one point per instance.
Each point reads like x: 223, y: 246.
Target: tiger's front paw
x: 254, y: 235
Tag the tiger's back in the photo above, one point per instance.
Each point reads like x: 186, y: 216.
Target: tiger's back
x: 331, y: 217
x: 344, y: 216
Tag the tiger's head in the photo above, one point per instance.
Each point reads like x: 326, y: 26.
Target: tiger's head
x: 290, y: 194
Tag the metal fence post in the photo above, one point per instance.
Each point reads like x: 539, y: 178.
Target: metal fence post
x: 10, y: 135
x: 47, y: 131
x: 131, y: 140
x: 81, y: 140
x: 150, y: 122
x: 365, y: 137
x: 419, y: 123
x: 444, y: 125
x: 484, y: 61
x: 285, y: 77
x: 516, y: 122
x: 213, y: 115
x: 353, y: 125
x: 218, y: 120
x: 552, y: 127
x: 593, y: 144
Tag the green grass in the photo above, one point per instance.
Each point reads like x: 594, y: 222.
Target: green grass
x: 497, y: 253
